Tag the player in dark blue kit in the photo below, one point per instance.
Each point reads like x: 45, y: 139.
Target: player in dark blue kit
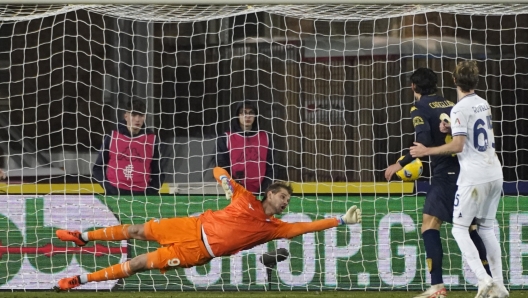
x: 427, y: 113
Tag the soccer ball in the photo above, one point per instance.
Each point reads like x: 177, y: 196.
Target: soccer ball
x: 412, y: 171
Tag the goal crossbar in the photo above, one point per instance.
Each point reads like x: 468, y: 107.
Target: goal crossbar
x: 265, y: 2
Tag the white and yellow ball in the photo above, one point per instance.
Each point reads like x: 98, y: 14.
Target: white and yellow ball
x: 411, y: 171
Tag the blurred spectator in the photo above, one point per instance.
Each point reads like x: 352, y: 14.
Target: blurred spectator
x: 129, y: 160
x: 246, y: 151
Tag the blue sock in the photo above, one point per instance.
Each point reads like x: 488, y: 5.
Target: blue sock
x: 435, y: 254
x: 481, y: 250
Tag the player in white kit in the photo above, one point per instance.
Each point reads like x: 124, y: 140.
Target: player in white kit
x: 480, y: 180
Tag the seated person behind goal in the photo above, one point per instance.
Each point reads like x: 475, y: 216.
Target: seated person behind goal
x: 192, y: 241
x: 129, y: 160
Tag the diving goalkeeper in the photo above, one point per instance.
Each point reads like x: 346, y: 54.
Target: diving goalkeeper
x: 192, y: 241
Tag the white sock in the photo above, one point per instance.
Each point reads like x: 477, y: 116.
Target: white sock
x: 83, y: 278
x: 469, y: 251
x: 493, y: 252
x: 84, y: 236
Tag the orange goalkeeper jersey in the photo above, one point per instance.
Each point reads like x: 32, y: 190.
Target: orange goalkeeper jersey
x: 243, y: 223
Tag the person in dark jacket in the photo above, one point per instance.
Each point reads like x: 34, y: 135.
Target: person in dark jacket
x: 245, y: 151
x: 129, y: 160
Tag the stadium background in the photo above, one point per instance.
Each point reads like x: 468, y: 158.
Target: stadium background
x: 336, y: 114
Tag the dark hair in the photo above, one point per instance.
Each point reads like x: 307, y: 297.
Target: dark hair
x: 247, y: 105
x: 276, y: 187
x: 466, y: 75
x: 136, y: 106
x: 425, y: 81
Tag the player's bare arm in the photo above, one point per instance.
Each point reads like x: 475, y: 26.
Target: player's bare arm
x: 391, y: 170
x: 455, y: 146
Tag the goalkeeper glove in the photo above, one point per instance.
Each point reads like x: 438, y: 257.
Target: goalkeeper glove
x: 352, y: 216
x: 226, y: 185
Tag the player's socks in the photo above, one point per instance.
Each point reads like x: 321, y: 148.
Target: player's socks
x: 435, y: 253
x: 481, y: 250
x: 494, y: 252
x: 110, y: 273
x: 469, y: 251
x: 111, y: 233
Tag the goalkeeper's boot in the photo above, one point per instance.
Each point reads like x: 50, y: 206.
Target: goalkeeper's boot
x: 436, y: 291
x: 68, y: 283
x: 74, y: 236
x: 484, y: 287
x: 498, y: 291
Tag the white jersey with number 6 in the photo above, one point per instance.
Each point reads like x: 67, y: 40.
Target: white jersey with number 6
x: 471, y: 117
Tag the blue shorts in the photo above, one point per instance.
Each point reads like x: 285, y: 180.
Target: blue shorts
x: 440, y: 198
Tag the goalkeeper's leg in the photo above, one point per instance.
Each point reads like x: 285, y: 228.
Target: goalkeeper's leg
x: 114, y: 233
x: 187, y: 252
x: 140, y: 263
x: 181, y: 241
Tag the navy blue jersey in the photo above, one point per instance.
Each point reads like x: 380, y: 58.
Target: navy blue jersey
x: 426, y: 115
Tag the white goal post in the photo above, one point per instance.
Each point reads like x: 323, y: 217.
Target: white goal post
x: 259, y: 2
x: 331, y: 84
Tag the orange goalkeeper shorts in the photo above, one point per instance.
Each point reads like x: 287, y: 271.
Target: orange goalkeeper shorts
x: 181, y: 241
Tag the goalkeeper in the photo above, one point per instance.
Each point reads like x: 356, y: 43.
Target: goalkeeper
x: 192, y: 241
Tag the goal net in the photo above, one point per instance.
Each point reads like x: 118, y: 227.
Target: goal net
x: 331, y: 85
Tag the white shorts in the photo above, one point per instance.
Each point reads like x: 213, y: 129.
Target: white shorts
x: 477, y: 201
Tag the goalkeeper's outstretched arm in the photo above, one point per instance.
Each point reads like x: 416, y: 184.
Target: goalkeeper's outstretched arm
x: 290, y: 230
x: 231, y: 188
